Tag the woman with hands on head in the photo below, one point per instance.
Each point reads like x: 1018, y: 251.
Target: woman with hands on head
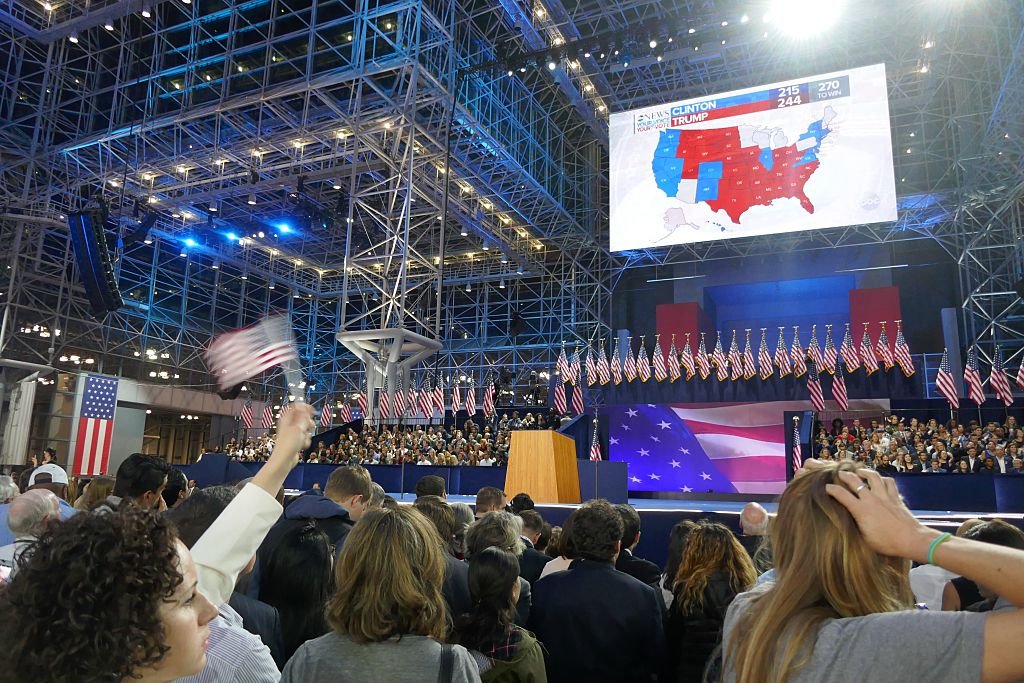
x: 841, y: 608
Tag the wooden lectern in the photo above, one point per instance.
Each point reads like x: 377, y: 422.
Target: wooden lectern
x: 542, y: 463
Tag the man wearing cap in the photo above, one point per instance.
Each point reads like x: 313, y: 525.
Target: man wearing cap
x: 50, y: 477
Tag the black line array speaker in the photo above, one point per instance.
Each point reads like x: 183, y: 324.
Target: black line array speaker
x: 89, y: 242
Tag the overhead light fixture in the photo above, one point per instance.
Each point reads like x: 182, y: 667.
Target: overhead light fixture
x: 73, y: 38
x: 502, y: 284
x: 653, y: 44
x: 552, y: 65
x: 791, y: 16
x: 469, y: 288
x: 146, y: 13
x: 252, y: 200
x: 109, y: 25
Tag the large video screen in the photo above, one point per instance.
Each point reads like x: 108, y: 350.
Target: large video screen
x: 798, y: 155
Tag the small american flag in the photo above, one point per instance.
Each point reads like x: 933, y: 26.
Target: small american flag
x: 489, y: 397
x: 658, y: 358
x: 735, y: 359
x: 471, y: 397
x: 326, y: 414
x: 577, y: 399
x: 398, y: 397
x: 781, y: 359
x: 384, y: 401
x: 95, y: 425
x: 562, y: 364
x: 839, y: 391
x: 559, y: 396
x: 267, y: 418
x: 643, y: 364
x: 285, y: 406
x: 1020, y: 376
x: 798, y: 458
x: 456, y: 398
x: 831, y: 356
x: 439, y: 395
x: 849, y: 351
x: 604, y: 371
x: 796, y: 352
x: 998, y: 381
x: 674, y: 370
x: 814, y: 350
x: 975, y: 390
x: 867, y: 354
x: 629, y: 365
x: 616, y: 365
x: 814, y: 388
x: 686, y: 359
x: 590, y: 365
x: 595, y: 445
x: 882, y: 349
x: 361, y: 401
x: 413, y: 399
x: 426, y: 398
x: 703, y: 364
x: 764, y: 357
x: 749, y: 369
x: 247, y: 414
x: 719, y: 360
x: 574, y: 366
x: 902, y: 353
x: 944, y: 381
x: 346, y: 413
x: 234, y: 357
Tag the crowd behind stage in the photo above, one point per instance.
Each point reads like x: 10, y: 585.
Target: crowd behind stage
x: 893, y: 445
x: 476, y: 441
x: 146, y: 579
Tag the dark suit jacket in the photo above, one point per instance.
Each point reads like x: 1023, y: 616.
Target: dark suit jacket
x: 262, y: 620
x: 598, y: 625
x: 639, y: 568
x: 456, y: 591
x: 531, y: 562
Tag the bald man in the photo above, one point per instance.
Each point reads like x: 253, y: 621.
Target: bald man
x: 754, y: 524
x: 28, y: 516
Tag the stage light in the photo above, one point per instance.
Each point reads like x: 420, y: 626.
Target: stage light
x: 725, y: 23
x: 189, y: 242
x: 215, y: 265
x: 232, y: 236
x: 587, y: 54
x: 552, y: 65
x: 245, y: 276
x: 522, y: 69
x: 744, y: 19
x: 625, y: 61
x: 146, y: 13
x: 73, y: 38
x: 510, y: 72
x: 464, y: 232
x: 602, y: 56
x: 260, y: 234
x: 252, y: 200
x: 213, y: 209
x: 924, y: 68
x: 468, y: 287
x: 504, y: 258
x: 502, y: 284
x: 692, y: 31
x: 48, y: 7
x: 804, y: 18
x: 284, y: 228
x: 109, y: 25
x: 653, y: 44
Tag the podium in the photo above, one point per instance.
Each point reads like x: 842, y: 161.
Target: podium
x: 542, y: 463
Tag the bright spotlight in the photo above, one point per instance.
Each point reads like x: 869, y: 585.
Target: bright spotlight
x: 552, y: 65
x: 232, y: 236
x: 190, y: 242
x: 805, y: 18
x: 284, y: 228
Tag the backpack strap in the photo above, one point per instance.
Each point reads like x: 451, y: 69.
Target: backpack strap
x: 444, y: 674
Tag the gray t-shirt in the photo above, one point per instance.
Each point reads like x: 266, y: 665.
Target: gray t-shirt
x: 411, y: 659
x: 914, y: 645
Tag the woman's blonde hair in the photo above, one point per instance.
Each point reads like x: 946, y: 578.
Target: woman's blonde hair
x: 96, y: 491
x: 389, y: 578
x: 824, y: 570
x: 711, y: 548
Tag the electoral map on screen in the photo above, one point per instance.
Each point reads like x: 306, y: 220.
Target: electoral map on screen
x: 798, y: 155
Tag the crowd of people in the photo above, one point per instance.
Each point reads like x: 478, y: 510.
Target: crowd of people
x: 153, y: 580
x: 918, y: 446
x: 467, y: 443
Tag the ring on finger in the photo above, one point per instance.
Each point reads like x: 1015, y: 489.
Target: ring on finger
x: 859, y: 488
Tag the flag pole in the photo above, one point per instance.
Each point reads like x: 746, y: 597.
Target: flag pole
x: 597, y: 480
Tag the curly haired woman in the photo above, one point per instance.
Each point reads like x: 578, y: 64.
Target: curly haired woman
x: 105, y: 598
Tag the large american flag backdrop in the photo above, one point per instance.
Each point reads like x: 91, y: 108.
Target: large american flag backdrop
x: 95, y: 425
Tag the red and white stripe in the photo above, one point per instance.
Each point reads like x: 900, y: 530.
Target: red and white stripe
x: 764, y: 357
x: 902, y: 353
x: 471, y: 398
x: 456, y: 398
x: 814, y: 389
x: 944, y: 381
x: 616, y: 365
x: 867, y: 354
x: 643, y: 364
x: 839, y: 392
x: 629, y: 365
x: 719, y: 360
x: 92, y: 447
x: 735, y: 360
x: 883, y: 351
x: 972, y: 377
x: 489, y: 398
x: 346, y: 413
x: 674, y: 369
x: 234, y: 357
x: 658, y: 361
x: 781, y: 357
x: 426, y: 399
x: 326, y: 415
x: 686, y: 359
x: 798, y: 449
x: 703, y: 363
x: 797, y: 355
x: 559, y: 400
x: 591, y: 367
x: 267, y: 419
x: 814, y: 349
x: 577, y: 400
x: 595, y: 446
x: 247, y: 415
x: 849, y: 351
x: 830, y: 357
x: 998, y: 381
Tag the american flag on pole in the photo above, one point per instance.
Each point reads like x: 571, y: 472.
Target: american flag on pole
x: 764, y: 357
x: 798, y: 457
x: 399, y: 398
x: 884, y: 353
x: 849, y: 351
x: 595, y: 445
x: 686, y: 359
x: 781, y: 358
x: 814, y: 350
x: 867, y: 354
x: 719, y: 360
x: 384, y: 401
x: 560, y: 396
x: 604, y: 371
x: 814, y: 388
x: 972, y: 375
x: 703, y: 364
x: 643, y: 363
x: 839, y: 391
x: 616, y: 365
x: 660, y: 369
x: 285, y: 406
x: 95, y: 425
x: 361, y: 401
x: 674, y: 370
x: 902, y: 352
x: 944, y: 381
x: 562, y: 364
x: 247, y: 414
x: 796, y: 352
x: 735, y: 359
x: 326, y: 414
x: 831, y: 356
x: 236, y: 356
x: 471, y: 396
x: 489, y: 397
x: 577, y: 399
x: 456, y: 397
x: 345, y: 414
x: 1020, y: 376
x: 590, y: 365
x: 629, y: 365
x: 267, y: 418
x: 575, y: 369
x: 749, y: 369
x: 439, y: 395
x: 998, y: 381
x: 426, y: 398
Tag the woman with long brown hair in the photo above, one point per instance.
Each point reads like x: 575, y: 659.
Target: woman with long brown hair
x: 841, y: 608
x: 714, y: 568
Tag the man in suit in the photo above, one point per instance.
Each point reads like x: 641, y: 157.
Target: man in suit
x: 637, y: 567
x: 456, y: 574
x: 532, y: 561
x: 596, y: 623
x: 974, y: 463
x: 489, y: 499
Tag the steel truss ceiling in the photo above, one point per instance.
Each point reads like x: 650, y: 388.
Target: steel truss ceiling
x: 403, y: 173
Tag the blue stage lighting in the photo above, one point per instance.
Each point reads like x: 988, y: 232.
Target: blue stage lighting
x: 284, y: 228
x: 189, y: 242
x: 232, y: 236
